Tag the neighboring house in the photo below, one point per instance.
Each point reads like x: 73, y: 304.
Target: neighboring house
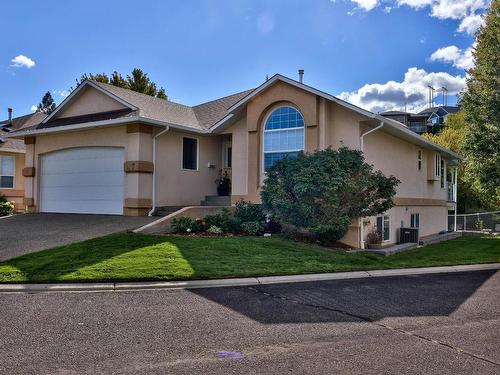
x: 429, y: 120
x: 12, y: 157
x: 110, y: 150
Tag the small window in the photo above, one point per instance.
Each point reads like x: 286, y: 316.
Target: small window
x: 6, y: 172
x: 419, y: 160
x: 442, y: 173
x: 228, y: 155
x: 384, y: 227
x: 189, y: 153
x: 437, y: 165
x: 415, y: 221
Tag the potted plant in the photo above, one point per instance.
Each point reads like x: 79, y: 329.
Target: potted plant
x: 223, y: 184
x: 374, y: 239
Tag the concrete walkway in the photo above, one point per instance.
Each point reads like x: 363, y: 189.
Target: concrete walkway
x: 248, y: 281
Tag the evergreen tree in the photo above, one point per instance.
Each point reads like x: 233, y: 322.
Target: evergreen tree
x: 138, y: 81
x: 47, y: 104
x: 481, y: 104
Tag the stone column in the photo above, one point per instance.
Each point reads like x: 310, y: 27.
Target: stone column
x: 138, y: 170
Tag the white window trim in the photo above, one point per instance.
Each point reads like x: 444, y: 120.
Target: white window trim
x: 262, y: 152
x: 197, y: 154
x: 13, y: 175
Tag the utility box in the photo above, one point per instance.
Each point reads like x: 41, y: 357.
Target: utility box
x: 407, y: 235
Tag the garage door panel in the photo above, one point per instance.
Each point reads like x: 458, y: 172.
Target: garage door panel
x: 76, y: 180
x: 83, y: 180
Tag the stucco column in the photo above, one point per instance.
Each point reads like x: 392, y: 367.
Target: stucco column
x: 29, y: 173
x: 138, y: 168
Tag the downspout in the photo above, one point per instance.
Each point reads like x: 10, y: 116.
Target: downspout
x: 153, y: 204
x: 361, y: 141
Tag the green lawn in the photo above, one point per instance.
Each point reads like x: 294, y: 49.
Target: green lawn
x: 128, y: 256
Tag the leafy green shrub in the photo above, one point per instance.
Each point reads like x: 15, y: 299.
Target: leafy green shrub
x: 323, y: 191
x: 187, y: 225
x: 252, y: 228
x: 248, y: 211
x: 7, y: 208
x: 3, y: 198
x: 223, y: 220
x: 214, y: 230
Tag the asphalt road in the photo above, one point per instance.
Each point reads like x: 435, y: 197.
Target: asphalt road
x: 429, y: 324
x: 22, y: 234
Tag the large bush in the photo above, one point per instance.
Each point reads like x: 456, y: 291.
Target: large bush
x: 324, y: 191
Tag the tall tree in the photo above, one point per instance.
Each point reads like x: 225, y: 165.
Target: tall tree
x: 47, y: 104
x: 481, y: 103
x: 137, y: 81
x: 453, y: 137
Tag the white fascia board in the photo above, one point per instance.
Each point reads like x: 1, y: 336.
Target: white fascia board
x: 80, y: 88
x: 12, y: 150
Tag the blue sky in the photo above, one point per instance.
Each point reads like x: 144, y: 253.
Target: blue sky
x: 374, y: 53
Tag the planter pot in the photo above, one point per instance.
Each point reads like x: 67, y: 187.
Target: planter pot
x: 222, y: 191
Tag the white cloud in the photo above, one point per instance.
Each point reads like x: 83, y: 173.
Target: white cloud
x: 471, y: 24
x: 468, y: 11
x: 63, y: 93
x: 392, y: 95
x: 366, y: 4
x: 453, y: 55
x: 21, y: 61
x: 34, y: 108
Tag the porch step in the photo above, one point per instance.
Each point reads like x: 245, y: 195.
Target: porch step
x: 215, y: 200
x: 166, y: 210
x: 436, y: 238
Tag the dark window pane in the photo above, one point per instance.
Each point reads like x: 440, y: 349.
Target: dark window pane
x: 189, y: 153
x: 7, y: 182
x: 229, y: 157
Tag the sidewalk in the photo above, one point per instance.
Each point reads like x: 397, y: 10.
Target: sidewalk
x: 248, y: 281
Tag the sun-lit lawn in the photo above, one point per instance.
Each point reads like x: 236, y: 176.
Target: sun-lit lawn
x: 128, y: 256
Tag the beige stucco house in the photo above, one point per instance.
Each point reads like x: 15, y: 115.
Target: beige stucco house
x: 12, y: 153
x: 110, y: 150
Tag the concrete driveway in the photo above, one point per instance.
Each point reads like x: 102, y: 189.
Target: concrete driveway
x: 22, y: 234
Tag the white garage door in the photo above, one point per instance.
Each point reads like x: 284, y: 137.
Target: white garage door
x: 82, y: 180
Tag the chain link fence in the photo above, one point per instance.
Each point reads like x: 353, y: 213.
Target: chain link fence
x: 476, y: 222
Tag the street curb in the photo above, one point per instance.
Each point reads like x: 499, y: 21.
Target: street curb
x: 247, y: 281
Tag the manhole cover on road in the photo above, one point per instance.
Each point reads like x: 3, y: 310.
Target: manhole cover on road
x: 231, y: 355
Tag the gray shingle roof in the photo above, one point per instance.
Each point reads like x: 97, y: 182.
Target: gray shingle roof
x: 25, y: 122
x: 201, y: 116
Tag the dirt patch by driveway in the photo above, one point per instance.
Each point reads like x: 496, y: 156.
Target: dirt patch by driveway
x: 23, y: 234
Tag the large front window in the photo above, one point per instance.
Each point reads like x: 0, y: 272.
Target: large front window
x: 283, y: 135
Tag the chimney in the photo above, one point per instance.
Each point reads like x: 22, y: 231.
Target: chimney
x: 301, y: 75
x: 10, y: 114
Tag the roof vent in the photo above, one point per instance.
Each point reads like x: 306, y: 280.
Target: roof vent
x: 10, y: 114
x: 301, y: 75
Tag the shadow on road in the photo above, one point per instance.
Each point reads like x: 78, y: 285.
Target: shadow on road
x: 373, y: 298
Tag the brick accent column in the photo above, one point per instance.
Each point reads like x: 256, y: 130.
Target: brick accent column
x: 138, y: 169
x: 29, y: 173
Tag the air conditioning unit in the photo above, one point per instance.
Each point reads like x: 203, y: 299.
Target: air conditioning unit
x: 407, y: 235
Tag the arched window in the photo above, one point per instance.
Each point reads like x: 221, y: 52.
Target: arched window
x: 283, y: 135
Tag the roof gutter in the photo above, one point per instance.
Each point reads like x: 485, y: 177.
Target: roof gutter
x: 153, y: 198
x: 362, y: 137
x: 103, y: 123
x: 361, y: 141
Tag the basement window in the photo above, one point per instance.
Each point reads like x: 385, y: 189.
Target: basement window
x: 415, y: 221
